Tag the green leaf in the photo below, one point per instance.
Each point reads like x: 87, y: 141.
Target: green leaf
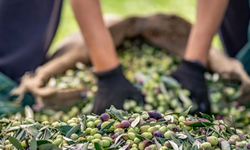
x: 141, y: 137
x: 186, y: 145
x: 201, y: 124
x: 85, y: 146
x: 161, y: 140
x: 135, y: 122
x: 233, y: 124
x: 229, y: 130
x: 114, y: 146
x: 190, y: 137
x: 164, y: 91
x: 48, y: 147
x: 20, y: 135
x: 15, y: 143
x: 158, y: 145
x: 185, y: 113
x: 115, y: 113
x: 64, y: 129
x: 33, y: 144
x: 97, y: 146
x: 73, y: 130
x: 104, y: 129
x: 41, y: 142
x: 170, y: 82
x: 205, y: 116
x: 47, y: 134
x: 195, y: 147
x: 225, y: 145
x: 33, y: 131
x: 176, y: 141
x: 84, y: 123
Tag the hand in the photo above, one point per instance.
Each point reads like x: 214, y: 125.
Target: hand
x: 46, y: 96
x: 114, y: 89
x: 191, y: 76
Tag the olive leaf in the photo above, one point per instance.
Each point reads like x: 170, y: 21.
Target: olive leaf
x: 161, y: 140
x: 186, y: 100
x: 64, y: 129
x: 41, y: 142
x: 190, y: 137
x: 233, y: 123
x: 85, y: 146
x: 158, y: 145
x: 174, y: 145
x: 67, y: 139
x: 73, y: 130
x: 185, y: 113
x: 115, y: 146
x: 195, y: 147
x: 20, y: 135
x: 48, y: 147
x: 33, y: 144
x: 83, y: 123
x: 141, y: 137
x: 33, y: 131
x: 181, y: 136
x: 46, y: 134
x: 124, y: 147
x: 164, y: 91
x: 205, y: 116
x: 15, y: 143
x: 104, y: 129
x: 201, y: 124
x: 170, y: 82
x: 225, y: 145
x: 97, y: 146
x: 135, y: 122
x: 196, y: 144
x: 115, y: 113
x: 28, y: 112
x: 169, y: 118
x: 118, y: 138
x: 175, y: 140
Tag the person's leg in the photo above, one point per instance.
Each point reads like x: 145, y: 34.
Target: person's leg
x: 233, y: 31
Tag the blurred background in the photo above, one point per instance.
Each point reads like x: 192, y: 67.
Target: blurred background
x: 126, y: 8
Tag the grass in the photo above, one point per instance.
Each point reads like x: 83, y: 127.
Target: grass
x: 125, y: 8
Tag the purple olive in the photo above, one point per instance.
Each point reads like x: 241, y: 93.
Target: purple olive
x: 167, y: 144
x: 231, y: 141
x: 118, y: 125
x: 105, y: 117
x: 115, y: 135
x: 158, y: 134
x: 220, y: 140
x: 154, y: 114
x: 125, y: 123
x: 242, y: 136
x: 153, y: 120
x: 131, y: 119
x: 99, y: 125
x: 143, y: 144
x: 248, y: 145
x: 148, y: 148
x: 161, y: 120
x: 142, y: 122
x: 157, y: 90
